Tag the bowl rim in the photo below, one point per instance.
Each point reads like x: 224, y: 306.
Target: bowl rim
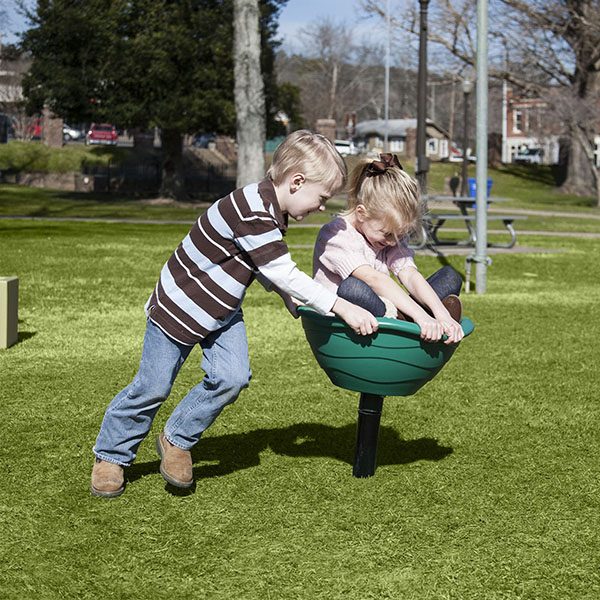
x: 385, y: 324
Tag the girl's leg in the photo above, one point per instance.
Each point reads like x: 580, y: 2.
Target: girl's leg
x: 358, y: 292
x: 445, y: 281
x: 129, y: 416
x: 226, y: 364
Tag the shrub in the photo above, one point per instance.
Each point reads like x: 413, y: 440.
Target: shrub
x: 34, y: 156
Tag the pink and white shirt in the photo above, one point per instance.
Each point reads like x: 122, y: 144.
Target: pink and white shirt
x: 340, y: 249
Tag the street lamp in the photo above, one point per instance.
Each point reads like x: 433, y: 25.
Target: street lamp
x: 467, y: 87
x: 422, y: 165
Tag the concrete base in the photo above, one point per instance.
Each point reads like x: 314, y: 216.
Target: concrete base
x: 9, y: 311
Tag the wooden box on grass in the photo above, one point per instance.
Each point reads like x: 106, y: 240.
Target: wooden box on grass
x: 9, y: 311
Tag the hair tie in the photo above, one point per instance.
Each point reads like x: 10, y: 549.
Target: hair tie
x: 386, y: 161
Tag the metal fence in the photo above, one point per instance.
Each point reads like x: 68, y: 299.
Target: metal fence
x: 145, y: 177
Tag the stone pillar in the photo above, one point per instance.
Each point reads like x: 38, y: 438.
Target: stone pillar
x: 9, y: 311
x: 326, y: 127
x: 52, y: 129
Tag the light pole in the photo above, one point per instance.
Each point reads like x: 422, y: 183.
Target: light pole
x: 422, y: 165
x: 467, y: 89
x: 388, y: 29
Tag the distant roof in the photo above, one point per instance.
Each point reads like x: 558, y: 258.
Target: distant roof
x: 396, y: 127
x: 15, y: 67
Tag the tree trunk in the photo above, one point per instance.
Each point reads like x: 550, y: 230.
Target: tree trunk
x: 333, y: 91
x: 580, y: 177
x: 249, y: 93
x: 173, y: 182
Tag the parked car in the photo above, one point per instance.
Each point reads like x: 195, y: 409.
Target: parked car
x: 346, y: 147
x: 456, y: 155
x: 201, y: 140
x: 70, y: 133
x: 102, y: 133
x: 530, y: 156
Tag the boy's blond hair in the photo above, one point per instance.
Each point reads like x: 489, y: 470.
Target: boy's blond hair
x: 391, y: 196
x: 311, y: 154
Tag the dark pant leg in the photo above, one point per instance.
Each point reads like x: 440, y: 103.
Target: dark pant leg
x: 446, y: 281
x: 358, y: 292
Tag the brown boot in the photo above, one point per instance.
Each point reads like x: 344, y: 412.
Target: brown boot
x: 453, y: 306
x: 175, y: 463
x: 107, y: 479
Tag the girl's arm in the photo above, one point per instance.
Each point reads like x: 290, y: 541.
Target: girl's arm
x: 383, y: 285
x: 418, y: 287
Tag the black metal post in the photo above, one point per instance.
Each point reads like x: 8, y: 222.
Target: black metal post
x: 367, y: 434
x: 422, y: 164
x: 464, y: 188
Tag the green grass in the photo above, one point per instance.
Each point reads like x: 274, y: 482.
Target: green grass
x: 32, y: 202
x: 526, y: 186
x: 488, y: 478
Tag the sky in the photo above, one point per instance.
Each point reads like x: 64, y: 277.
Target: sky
x: 295, y: 15
x: 300, y: 13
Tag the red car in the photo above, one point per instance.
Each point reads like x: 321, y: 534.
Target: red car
x: 102, y: 133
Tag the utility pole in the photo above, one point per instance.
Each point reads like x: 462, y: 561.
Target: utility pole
x: 422, y: 164
x: 467, y: 89
x: 388, y: 26
x: 452, y: 108
x: 504, y: 122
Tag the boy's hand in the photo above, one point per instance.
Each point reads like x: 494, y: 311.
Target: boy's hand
x: 431, y: 330
x: 292, y: 305
x: 361, y: 321
x: 453, y: 330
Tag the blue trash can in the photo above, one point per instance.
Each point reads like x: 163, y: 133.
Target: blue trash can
x: 473, y: 187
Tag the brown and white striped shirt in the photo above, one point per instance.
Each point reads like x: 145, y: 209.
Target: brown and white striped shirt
x: 240, y: 237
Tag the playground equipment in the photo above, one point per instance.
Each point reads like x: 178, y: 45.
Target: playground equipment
x: 394, y: 361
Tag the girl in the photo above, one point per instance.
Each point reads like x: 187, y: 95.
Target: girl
x: 355, y: 253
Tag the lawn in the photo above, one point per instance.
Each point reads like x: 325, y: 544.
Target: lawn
x: 488, y: 478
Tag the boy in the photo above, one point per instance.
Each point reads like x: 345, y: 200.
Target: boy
x: 197, y: 300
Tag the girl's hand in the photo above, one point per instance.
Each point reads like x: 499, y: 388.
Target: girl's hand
x: 431, y: 330
x: 453, y: 330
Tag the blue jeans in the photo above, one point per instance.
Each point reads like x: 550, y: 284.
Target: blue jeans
x: 129, y: 416
x: 444, y: 282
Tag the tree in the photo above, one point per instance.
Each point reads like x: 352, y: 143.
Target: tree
x: 560, y: 45
x: 337, y: 74
x: 547, y: 47
x: 140, y: 64
x: 249, y: 92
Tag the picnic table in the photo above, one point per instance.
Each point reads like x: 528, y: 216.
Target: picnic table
x: 434, y: 221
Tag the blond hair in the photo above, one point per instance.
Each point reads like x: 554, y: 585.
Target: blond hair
x: 311, y: 154
x: 391, y: 196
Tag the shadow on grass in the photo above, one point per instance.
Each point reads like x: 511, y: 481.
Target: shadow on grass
x: 236, y: 452
x: 552, y: 175
x: 25, y: 335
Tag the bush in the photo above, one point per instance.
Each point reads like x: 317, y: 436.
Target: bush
x: 34, y: 156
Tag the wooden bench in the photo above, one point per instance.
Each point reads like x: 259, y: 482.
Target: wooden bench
x: 433, y: 222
